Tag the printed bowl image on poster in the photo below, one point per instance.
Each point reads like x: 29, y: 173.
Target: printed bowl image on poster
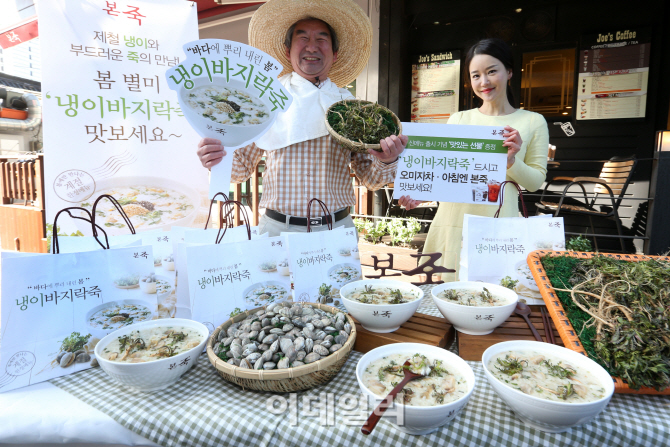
x: 228, y: 90
x: 151, y: 203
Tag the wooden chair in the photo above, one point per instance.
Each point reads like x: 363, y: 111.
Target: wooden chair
x: 611, y: 185
x: 22, y: 224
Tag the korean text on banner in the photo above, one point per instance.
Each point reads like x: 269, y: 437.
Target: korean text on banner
x: 228, y: 91
x: 55, y: 308
x: 111, y: 124
x: 452, y: 163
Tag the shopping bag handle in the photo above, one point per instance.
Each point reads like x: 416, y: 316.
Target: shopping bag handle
x: 229, y: 206
x: 211, y: 204
x: 325, y: 211
x: 118, y: 207
x: 55, y: 247
x: 502, y: 198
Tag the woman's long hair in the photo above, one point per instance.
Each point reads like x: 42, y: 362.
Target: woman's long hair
x: 497, y: 48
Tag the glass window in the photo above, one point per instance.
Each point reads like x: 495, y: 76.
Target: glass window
x: 547, y: 82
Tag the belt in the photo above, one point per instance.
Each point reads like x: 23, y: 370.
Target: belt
x: 314, y: 221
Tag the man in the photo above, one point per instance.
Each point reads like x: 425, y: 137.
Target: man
x: 322, y: 41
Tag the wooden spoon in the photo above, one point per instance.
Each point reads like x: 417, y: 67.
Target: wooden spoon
x: 371, y: 423
x: 523, y: 311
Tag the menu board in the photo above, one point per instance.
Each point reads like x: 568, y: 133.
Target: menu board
x: 435, y: 86
x: 613, y: 74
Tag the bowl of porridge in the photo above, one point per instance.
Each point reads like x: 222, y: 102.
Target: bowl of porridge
x: 381, y: 305
x: 151, y: 203
x: 229, y: 110
x: 152, y: 355
x: 474, y: 308
x: 548, y: 387
x: 427, y: 403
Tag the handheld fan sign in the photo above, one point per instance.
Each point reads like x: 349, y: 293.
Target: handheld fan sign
x: 228, y: 90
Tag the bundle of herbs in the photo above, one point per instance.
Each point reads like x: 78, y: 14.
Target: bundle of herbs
x: 362, y: 122
x: 621, y: 311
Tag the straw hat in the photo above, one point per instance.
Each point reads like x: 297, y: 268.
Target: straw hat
x: 270, y: 22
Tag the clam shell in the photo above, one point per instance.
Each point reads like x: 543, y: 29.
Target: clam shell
x: 251, y: 358
x: 312, y: 357
x: 301, y: 355
x: 271, y: 338
x: 244, y: 364
x: 259, y: 364
x: 67, y: 360
x: 320, y: 350
x: 341, y: 339
x: 335, y: 348
x: 82, y: 358
x: 309, y: 344
x: 297, y: 363
x: 267, y: 355
x: 283, y: 363
x: 285, y: 344
x: 299, y: 343
x: 269, y: 365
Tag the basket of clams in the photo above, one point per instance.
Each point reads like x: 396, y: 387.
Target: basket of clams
x: 283, y: 347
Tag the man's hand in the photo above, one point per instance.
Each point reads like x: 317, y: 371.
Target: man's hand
x: 392, y: 147
x: 210, y: 152
x: 408, y: 202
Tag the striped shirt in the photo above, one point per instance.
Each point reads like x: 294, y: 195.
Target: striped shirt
x: 317, y: 168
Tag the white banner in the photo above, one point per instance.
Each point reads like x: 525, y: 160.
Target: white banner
x: 452, y: 163
x: 111, y: 124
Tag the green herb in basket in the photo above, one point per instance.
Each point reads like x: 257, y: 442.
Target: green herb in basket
x: 362, y: 121
x: 621, y: 312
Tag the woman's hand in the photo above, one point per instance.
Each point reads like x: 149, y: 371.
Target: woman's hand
x: 408, y: 202
x: 513, y: 144
x: 210, y: 152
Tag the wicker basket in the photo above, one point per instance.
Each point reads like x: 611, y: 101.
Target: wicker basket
x: 283, y: 380
x: 355, y: 146
x: 565, y: 329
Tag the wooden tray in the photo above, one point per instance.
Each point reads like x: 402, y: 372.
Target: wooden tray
x: 420, y: 328
x: 566, y: 331
x: 471, y: 347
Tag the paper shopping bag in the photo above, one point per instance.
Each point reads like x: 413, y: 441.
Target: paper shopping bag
x: 229, y: 278
x: 55, y: 308
x: 497, y: 248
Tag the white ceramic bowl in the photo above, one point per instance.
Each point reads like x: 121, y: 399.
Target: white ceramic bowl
x: 381, y: 317
x: 418, y: 420
x: 545, y: 415
x: 104, y: 186
x: 231, y: 135
x: 100, y: 332
x: 472, y: 319
x: 158, y: 374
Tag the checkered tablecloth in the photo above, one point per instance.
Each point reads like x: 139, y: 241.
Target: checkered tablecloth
x: 204, y: 410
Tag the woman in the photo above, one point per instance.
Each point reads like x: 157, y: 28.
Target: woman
x: 526, y: 136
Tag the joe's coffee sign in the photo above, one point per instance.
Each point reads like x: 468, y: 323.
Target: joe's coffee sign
x: 616, y: 38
